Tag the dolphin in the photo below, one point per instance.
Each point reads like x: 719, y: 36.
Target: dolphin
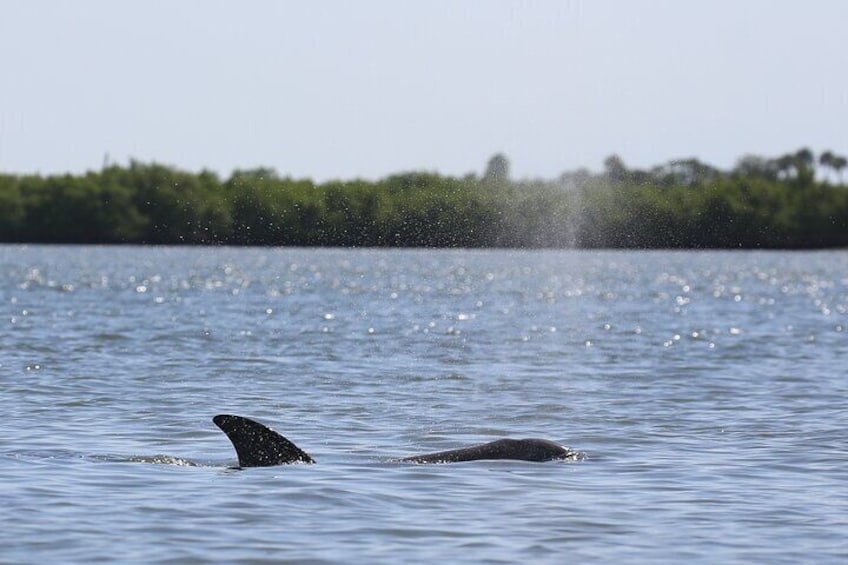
x: 259, y: 446
x: 529, y: 449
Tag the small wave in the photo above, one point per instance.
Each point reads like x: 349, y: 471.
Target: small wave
x: 149, y: 459
x: 162, y: 460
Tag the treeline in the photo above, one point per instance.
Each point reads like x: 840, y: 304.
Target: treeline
x: 793, y: 201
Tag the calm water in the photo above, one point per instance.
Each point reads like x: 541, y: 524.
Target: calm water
x: 708, y: 390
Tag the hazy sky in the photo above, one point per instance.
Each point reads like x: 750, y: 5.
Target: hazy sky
x: 367, y: 88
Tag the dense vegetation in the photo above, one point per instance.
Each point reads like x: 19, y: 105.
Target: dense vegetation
x: 769, y: 203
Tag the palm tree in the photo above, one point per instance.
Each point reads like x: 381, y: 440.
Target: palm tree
x: 615, y: 169
x: 838, y: 163
x: 804, y: 161
x: 497, y: 169
x: 805, y: 156
x: 826, y: 159
x: 785, y: 164
x: 833, y: 161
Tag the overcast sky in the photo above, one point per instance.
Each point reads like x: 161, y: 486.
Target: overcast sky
x: 368, y: 88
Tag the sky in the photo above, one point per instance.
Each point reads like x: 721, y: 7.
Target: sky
x: 343, y: 89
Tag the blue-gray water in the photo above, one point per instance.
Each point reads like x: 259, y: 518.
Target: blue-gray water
x: 708, y: 390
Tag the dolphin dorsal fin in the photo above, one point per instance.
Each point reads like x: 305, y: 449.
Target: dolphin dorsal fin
x: 257, y: 445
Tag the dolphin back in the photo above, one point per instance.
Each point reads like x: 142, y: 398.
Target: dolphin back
x: 517, y: 449
x: 257, y: 445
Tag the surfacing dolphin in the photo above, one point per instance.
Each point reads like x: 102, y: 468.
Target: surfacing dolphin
x: 259, y: 446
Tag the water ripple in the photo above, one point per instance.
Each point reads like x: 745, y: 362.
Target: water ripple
x: 705, y: 388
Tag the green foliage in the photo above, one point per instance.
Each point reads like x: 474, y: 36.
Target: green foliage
x: 768, y: 203
x: 12, y: 214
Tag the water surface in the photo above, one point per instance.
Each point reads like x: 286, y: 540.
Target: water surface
x: 708, y: 390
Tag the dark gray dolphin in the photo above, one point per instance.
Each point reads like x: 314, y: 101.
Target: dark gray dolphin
x: 529, y: 449
x: 259, y: 446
